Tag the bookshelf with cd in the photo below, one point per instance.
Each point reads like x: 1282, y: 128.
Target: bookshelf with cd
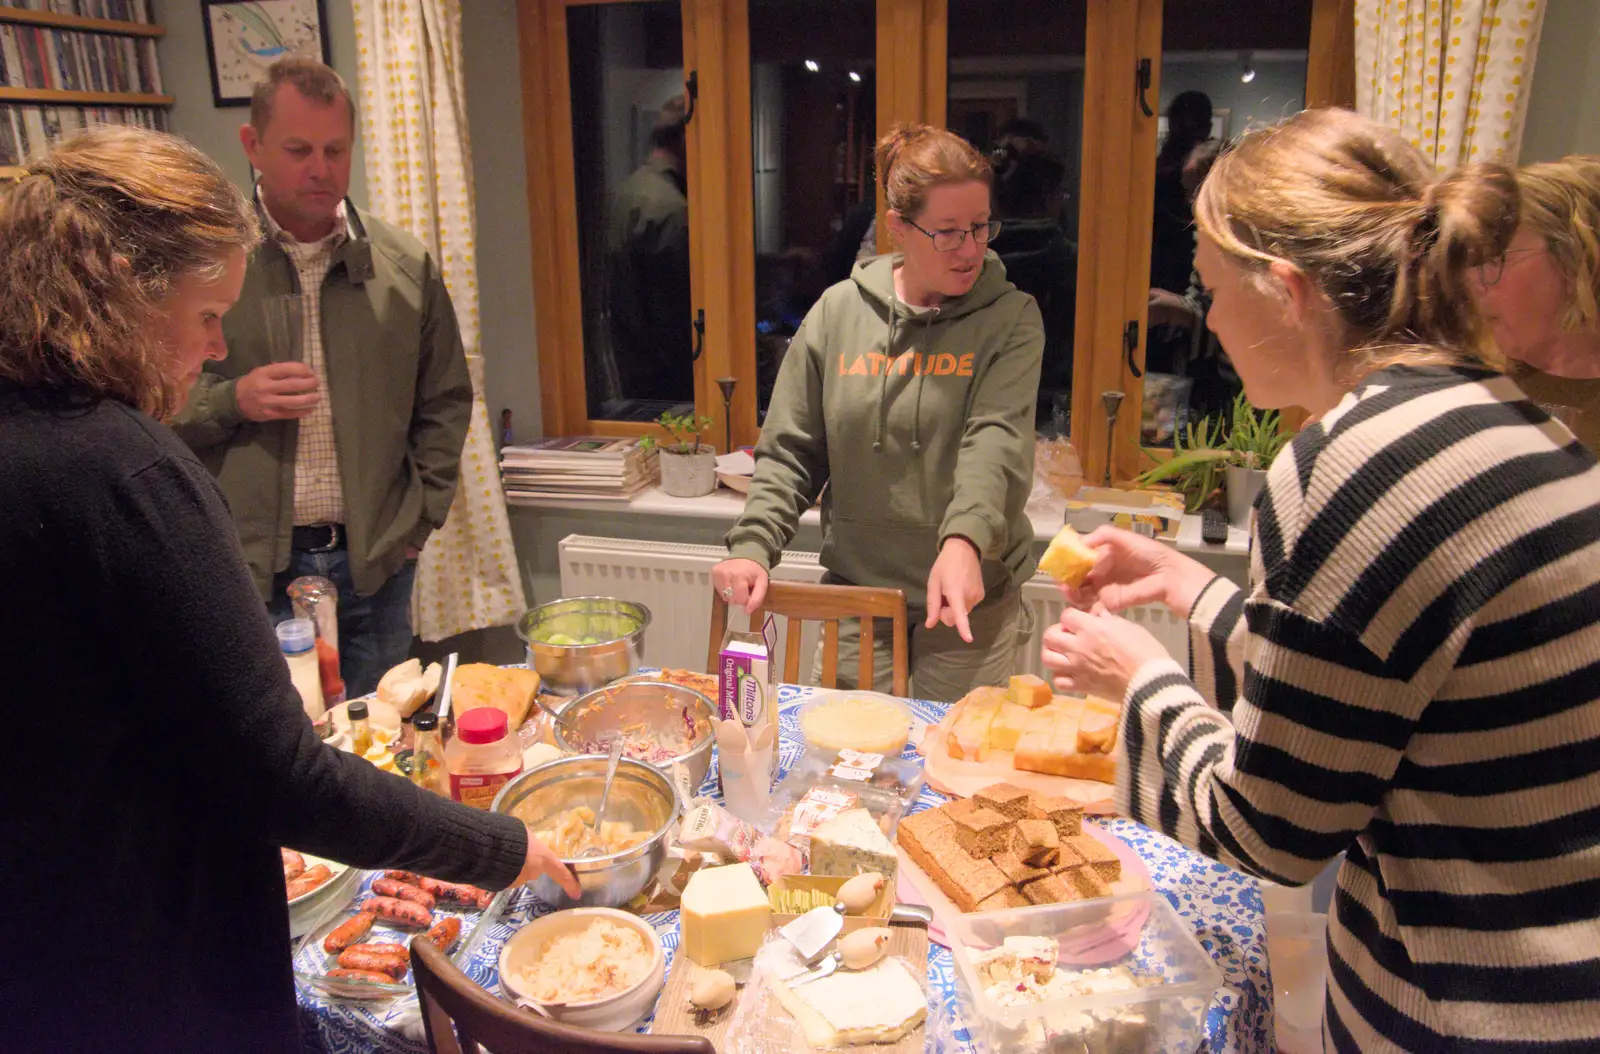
x: 63, y: 71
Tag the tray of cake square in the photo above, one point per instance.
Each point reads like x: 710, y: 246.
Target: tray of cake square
x: 1121, y: 975
x: 738, y: 981
x: 1056, y: 745
x: 1007, y: 848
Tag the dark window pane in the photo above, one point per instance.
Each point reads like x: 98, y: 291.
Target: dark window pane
x: 1016, y: 93
x: 1223, y: 71
x: 813, y: 120
x: 626, y: 62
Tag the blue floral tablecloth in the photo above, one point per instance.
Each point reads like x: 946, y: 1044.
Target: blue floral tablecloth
x: 1223, y: 905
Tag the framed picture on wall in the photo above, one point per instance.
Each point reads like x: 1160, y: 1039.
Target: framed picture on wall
x: 244, y: 37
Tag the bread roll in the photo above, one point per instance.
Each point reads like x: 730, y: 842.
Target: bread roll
x: 1067, y: 559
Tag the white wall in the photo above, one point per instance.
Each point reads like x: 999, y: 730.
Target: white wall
x: 1564, y: 106
x: 493, y: 70
x: 187, y: 76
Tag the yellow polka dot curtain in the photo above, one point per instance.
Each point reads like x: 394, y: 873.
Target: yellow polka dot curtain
x: 1451, y: 75
x: 419, y: 176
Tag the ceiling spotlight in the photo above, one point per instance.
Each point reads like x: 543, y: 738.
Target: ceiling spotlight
x: 1248, y: 74
x: 811, y: 64
x: 855, y: 76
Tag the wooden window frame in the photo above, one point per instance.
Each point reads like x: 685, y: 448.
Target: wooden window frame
x: 1115, y: 238
x: 1118, y: 180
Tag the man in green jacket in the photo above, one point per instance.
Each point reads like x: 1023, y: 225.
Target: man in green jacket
x: 337, y: 439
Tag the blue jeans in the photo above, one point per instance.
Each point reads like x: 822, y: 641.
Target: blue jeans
x: 374, y: 631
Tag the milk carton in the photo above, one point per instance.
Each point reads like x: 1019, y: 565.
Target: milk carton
x: 747, y: 679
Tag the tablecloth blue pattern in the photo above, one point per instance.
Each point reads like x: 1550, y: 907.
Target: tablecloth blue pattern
x: 1222, y: 904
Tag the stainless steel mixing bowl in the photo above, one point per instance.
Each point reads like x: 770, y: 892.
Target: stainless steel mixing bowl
x: 573, y: 669
x: 642, y: 708
x: 641, y: 795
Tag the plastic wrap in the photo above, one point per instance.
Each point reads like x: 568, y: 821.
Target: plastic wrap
x: 762, y: 1025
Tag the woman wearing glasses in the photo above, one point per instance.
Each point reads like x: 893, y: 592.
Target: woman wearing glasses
x: 909, y: 390
x: 1543, y: 295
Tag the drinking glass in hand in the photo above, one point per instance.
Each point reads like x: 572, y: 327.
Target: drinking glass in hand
x: 285, y: 319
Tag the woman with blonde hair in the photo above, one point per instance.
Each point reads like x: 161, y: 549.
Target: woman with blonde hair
x: 1413, y: 675
x: 1542, y: 296
x: 159, y: 752
x: 909, y: 391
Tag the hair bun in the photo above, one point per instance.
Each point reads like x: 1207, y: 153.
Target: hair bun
x: 1474, y: 210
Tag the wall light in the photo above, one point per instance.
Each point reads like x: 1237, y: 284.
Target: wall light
x: 1248, y: 74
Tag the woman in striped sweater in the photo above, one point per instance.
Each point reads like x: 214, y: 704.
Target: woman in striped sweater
x: 1413, y: 676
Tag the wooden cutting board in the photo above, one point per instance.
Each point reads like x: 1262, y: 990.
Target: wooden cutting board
x: 963, y: 779
x: 674, y: 1018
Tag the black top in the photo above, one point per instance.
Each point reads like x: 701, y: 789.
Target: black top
x: 158, y: 754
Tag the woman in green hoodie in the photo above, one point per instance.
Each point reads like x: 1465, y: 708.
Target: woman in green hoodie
x: 909, y: 392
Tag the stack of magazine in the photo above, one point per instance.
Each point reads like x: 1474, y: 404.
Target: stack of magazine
x: 596, y: 469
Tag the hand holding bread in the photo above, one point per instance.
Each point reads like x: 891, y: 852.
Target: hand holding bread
x: 1127, y: 570
x: 1098, y: 653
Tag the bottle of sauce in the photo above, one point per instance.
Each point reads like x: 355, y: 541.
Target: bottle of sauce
x: 483, y: 756
x: 427, y: 755
x: 297, y: 638
x: 360, y: 728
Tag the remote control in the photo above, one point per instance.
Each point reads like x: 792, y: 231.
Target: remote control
x: 1213, y: 527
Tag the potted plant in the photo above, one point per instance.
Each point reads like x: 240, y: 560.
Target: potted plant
x: 688, y: 466
x: 1215, y: 458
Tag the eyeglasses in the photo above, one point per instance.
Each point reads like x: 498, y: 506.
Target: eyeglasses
x: 950, y: 241
x: 1491, y: 272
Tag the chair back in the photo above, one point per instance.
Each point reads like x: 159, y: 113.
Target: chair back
x: 461, y: 1018
x: 802, y: 602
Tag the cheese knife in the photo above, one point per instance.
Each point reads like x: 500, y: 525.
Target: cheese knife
x: 811, y: 933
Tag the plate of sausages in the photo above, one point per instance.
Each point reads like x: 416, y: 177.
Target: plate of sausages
x: 364, y: 951
x: 304, y: 875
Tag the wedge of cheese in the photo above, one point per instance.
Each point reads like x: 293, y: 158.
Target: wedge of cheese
x: 852, y: 844
x: 853, y: 1007
x: 725, y: 915
x: 1067, y: 559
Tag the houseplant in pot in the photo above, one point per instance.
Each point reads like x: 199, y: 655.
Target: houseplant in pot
x: 1220, y: 460
x: 688, y: 466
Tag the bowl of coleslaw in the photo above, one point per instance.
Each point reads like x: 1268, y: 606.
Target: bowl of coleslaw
x: 592, y: 967
x: 661, y: 724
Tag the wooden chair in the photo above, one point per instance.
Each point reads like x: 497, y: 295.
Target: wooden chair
x: 454, y: 1006
x: 802, y: 602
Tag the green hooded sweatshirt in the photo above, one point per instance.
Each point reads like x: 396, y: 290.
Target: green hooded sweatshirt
x: 922, y: 424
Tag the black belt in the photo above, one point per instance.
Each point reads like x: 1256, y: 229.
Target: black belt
x: 319, y: 538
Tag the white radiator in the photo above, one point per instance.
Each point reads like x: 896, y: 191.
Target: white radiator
x: 674, y: 581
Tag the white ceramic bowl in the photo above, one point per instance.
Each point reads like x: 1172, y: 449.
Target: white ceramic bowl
x: 612, y: 1013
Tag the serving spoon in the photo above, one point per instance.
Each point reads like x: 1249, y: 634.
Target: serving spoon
x: 605, y: 794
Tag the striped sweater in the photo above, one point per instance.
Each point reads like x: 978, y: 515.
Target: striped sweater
x: 1413, y: 678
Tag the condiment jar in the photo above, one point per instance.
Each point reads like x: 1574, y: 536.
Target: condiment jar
x: 360, y: 728
x: 427, y: 755
x: 297, y: 638
x: 482, y: 757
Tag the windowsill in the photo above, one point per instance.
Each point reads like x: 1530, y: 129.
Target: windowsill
x: 723, y: 506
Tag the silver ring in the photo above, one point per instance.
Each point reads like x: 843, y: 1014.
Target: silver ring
x: 727, y: 593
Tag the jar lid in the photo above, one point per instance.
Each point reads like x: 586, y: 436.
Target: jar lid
x: 358, y: 710
x: 296, y: 635
x: 482, y: 724
x: 426, y: 721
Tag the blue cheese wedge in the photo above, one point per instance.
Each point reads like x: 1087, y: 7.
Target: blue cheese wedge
x: 852, y: 844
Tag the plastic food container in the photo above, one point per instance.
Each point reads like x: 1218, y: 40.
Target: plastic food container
x: 1140, y: 932
x: 848, y: 768
x: 864, y: 721
x: 811, y: 795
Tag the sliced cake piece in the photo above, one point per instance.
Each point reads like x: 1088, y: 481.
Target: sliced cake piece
x: 983, y: 833
x: 1004, y: 799
x: 1098, y: 856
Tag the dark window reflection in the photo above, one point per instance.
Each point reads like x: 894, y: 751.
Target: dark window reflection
x: 1223, y: 71
x: 1016, y: 93
x: 628, y: 134
x: 813, y: 118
